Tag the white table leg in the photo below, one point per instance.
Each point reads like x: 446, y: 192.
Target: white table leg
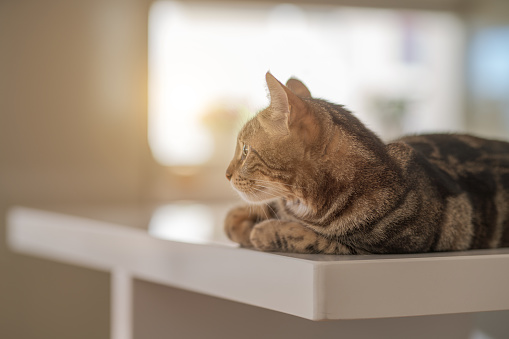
x: 121, y: 304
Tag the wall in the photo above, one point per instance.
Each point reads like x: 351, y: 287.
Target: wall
x: 73, y: 107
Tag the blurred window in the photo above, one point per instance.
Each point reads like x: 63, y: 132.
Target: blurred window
x: 489, y: 66
x: 488, y: 57
x: 398, y: 71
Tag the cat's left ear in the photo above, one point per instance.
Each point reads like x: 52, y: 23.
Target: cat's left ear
x: 285, y: 107
x: 297, y: 87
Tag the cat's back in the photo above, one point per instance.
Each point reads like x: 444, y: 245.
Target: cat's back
x: 460, y: 149
x: 476, y: 165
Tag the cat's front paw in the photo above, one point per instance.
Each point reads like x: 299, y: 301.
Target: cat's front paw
x: 265, y: 236
x: 282, y: 236
x: 238, y: 225
x: 287, y: 236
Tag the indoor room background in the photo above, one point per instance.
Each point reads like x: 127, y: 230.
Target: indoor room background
x: 138, y: 101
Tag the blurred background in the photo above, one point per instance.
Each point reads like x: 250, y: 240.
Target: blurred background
x: 129, y: 101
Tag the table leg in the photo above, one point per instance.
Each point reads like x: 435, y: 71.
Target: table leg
x: 121, y: 304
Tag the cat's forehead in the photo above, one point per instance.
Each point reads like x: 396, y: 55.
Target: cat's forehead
x: 249, y: 130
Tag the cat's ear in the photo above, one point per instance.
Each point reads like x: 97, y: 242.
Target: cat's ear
x: 297, y: 87
x: 284, y: 106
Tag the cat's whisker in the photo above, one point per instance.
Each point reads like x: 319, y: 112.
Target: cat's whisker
x: 274, y: 195
x: 274, y: 212
x: 278, y: 190
x: 250, y: 211
x: 272, y: 188
x: 272, y: 182
x: 265, y: 212
x: 279, y: 193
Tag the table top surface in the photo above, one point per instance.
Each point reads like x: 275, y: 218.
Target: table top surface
x: 182, y: 244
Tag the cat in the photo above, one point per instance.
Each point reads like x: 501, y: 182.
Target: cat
x: 317, y: 180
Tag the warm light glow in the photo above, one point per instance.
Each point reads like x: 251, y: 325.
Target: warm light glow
x: 399, y: 71
x: 183, y: 222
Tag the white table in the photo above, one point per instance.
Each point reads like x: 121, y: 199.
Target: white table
x: 181, y: 245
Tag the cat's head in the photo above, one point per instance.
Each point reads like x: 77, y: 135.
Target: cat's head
x: 276, y: 145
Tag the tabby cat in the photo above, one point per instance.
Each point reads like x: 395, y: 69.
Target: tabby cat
x: 316, y: 180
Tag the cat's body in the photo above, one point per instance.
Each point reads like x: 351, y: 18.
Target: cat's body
x: 320, y: 182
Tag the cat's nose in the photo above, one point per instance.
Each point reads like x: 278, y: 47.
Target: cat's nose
x: 228, y: 175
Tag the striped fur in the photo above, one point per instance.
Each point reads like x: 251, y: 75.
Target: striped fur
x: 318, y: 181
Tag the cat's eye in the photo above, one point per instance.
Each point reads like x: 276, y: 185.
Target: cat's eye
x: 245, y: 151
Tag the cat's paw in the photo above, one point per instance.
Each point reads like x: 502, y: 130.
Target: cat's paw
x: 288, y: 236
x: 238, y: 225
x: 265, y: 236
x: 281, y: 236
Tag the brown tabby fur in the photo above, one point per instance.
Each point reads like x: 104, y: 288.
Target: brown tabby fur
x: 318, y: 181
